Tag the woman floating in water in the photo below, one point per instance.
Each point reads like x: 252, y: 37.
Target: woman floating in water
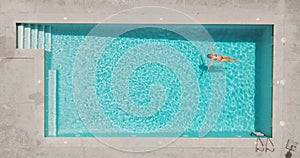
x: 220, y: 58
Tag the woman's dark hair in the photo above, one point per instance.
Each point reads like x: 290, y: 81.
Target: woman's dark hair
x: 209, y: 55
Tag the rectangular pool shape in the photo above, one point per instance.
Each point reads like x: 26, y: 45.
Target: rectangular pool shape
x: 152, y: 80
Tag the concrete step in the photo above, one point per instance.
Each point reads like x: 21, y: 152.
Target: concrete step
x: 20, y: 36
x: 27, y: 34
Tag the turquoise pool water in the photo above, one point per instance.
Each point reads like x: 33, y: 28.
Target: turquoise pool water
x: 155, y: 89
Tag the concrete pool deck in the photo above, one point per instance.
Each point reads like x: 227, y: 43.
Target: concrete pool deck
x: 21, y: 73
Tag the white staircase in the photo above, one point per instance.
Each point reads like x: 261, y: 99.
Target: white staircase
x: 38, y: 36
x: 34, y: 36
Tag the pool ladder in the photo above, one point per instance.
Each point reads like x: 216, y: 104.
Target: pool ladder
x: 260, y: 146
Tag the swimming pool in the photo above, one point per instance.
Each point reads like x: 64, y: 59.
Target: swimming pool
x: 152, y: 80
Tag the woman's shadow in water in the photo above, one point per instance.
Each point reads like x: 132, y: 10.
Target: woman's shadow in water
x: 212, y: 69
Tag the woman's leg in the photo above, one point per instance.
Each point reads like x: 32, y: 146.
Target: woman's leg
x: 229, y: 60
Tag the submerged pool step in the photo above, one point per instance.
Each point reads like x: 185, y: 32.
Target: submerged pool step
x: 41, y: 36
x: 52, y: 74
x: 47, y: 38
x: 34, y: 36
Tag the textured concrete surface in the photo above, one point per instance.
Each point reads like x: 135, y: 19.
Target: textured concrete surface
x: 21, y: 96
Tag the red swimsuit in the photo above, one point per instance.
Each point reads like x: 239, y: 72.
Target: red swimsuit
x: 220, y: 57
